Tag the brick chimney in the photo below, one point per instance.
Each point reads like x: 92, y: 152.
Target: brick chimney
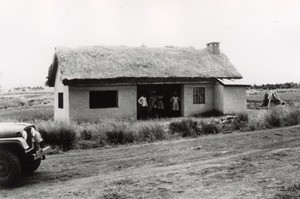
x: 214, y: 47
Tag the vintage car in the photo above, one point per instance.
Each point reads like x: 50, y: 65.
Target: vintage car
x: 21, y: 151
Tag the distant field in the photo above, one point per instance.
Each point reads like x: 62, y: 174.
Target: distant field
x: 21, y: 99
x: 26, y: 106
x: 26, y: 114
x: 290, y: 96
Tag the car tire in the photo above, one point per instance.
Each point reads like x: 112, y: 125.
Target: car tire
x: 10, y: 167
x: 31, y: 167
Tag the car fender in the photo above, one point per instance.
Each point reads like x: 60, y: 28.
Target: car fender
x: 15, y: 141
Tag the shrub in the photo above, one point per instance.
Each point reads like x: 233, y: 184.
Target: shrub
x: 273, y: 118
x: 209, y: 127
x: 58, y: 134
x: 292, y: 117
x: 119, y: 134
x: 240, y: 121
x: 255, y: 124
x: 86, y: 134
x: 185, y: 128
x: 150, y: 132
x: 243, y: 117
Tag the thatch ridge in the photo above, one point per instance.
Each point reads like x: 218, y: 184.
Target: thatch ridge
x: 106, y: 62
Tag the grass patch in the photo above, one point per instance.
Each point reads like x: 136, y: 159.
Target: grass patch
x: 292, y: 117
x: 58, y: 134
x: 240, y: 122
x: 92, y: 135
x: 289, y: 192
x: 150, y: 132
x: 185, y: 128
x: 210, y: 127
x: 280, y: 116
x: 274, y: 118
x: 120, y: 132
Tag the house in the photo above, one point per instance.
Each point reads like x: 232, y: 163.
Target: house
x: 93, y: 83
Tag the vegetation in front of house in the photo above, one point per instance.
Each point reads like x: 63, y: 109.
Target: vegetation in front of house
x: 117, y: 132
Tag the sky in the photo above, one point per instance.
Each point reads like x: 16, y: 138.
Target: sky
x: 260, y: 37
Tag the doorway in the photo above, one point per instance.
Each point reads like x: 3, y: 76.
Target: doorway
x: 163, y: 106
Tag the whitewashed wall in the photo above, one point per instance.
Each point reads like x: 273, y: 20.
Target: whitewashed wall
x: 189, y: 108
x: 61, y: 114
x: 234, y: 99
x: 219, y: 98
x: 80, y: 109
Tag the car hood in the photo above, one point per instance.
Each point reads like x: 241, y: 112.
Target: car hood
x: 11, y: 129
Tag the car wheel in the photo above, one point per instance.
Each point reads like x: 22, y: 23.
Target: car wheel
x: 31, y: 167
x: 10, y: 167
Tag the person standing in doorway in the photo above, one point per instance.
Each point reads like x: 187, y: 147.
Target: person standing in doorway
x: 143, y: 105
x: 160, y: 106
x: 175, y: 103
x: 152, y: 109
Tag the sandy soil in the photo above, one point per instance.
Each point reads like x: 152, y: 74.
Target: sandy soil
x: 259, y: 164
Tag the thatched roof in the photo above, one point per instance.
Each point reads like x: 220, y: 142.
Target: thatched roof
x: 101, y: 63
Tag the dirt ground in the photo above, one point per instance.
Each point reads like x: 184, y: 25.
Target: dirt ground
x: 260, y: 164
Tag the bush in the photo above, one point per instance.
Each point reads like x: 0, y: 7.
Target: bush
x: 150, y: 132
x: 292, y: 117
x: 86, y: 134
x: 139, y: 132
x: 58, y: 134
x: 243, y: 117
x: 207, y: 128
x: 255, y: 124
x: 273, y: 118
x: 119, y: 134
x: 240, y: 122
x: 185, y: 128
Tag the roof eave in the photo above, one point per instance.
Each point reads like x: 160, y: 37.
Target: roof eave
x: 140, y: 80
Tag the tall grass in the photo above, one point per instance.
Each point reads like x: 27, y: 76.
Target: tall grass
x: 292, y: 117
x: 58, y: 134
x: 240, y: 122
x: 193, y: 128
x: 185, y: 127
x: 209, y: 127
x: 277, y: 117
x: 108, y: 132
x: 116, y: 132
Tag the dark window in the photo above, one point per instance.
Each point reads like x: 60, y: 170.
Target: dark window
x: 199, y: 95
x: 103, y: 99
x: 60, y: 100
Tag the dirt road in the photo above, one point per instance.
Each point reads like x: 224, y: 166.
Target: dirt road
x: 257, y: 164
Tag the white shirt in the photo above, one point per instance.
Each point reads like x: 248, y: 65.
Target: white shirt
x: 143, y: 101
